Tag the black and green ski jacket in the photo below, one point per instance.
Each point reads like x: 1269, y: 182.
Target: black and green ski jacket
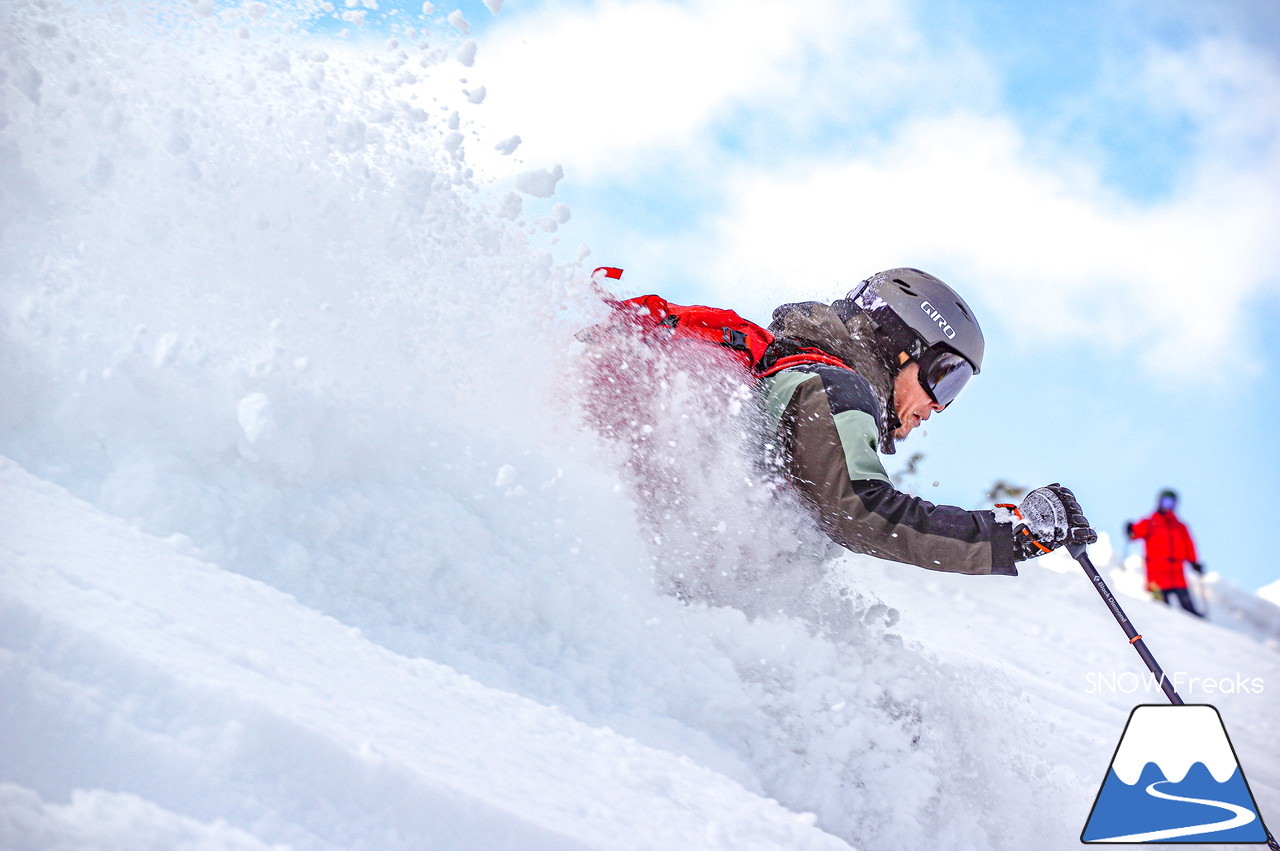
x: 829, y: 422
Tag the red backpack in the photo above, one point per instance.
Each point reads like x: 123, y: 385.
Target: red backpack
x: 656, y: 319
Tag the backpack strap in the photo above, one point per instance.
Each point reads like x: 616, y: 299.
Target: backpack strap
x: 806, y: 355
x: 785, y: 353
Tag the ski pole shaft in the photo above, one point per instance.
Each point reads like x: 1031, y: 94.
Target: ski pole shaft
x: 1078, y: 553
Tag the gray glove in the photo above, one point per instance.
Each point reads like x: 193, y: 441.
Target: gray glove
x: 1049, y: 517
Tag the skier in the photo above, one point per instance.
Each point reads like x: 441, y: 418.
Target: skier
x: 837, y: 383
x: 1168, y: 545
x: 906, y: 345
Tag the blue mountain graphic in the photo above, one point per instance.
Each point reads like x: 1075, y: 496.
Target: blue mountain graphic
x: 1124, y: 810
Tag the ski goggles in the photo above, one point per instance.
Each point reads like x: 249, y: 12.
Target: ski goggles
x: 943, y: 374
x: 1167, y: 503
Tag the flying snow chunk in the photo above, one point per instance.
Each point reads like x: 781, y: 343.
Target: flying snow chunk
x: 511, y: 206
x: 166, y: 348
x: 539, y: 183
x: 467, y: 53
x: 506, y: 476
x: 459, y: 23
x: 428, y: 8
x: 508, y: 146
x: 560, y: 212
x: 495, y: 6
x: 477, y: 95
x: 254, y: 414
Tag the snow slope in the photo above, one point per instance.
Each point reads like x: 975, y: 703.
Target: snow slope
x: 214, y: 698
x: 305, y: 542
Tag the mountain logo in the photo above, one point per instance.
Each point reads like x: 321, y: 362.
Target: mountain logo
x: 1174, y: 778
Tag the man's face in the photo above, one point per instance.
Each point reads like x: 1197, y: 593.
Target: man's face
x: 910, y: 400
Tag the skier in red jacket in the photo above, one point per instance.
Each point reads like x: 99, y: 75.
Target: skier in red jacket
x: 1168, y: 544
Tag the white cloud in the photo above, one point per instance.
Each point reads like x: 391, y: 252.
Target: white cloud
x: 605, y: 86
x: 1230, y: 91
x: 620, y: 77
x: 1046, y: 247
x: 1033, y: 229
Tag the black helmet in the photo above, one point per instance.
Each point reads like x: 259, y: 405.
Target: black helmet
x: 916, y: 313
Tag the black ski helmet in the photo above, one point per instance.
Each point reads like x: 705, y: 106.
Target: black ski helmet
x: 916, y: 313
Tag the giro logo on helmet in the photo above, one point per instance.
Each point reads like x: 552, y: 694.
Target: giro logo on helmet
x: 936, y: 316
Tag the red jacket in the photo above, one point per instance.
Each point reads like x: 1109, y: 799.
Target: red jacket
x: 1168, y: 546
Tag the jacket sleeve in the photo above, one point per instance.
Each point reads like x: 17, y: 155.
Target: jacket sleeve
x: 826, y: 419
x: 1188, y: 545
x: 1141, y: 530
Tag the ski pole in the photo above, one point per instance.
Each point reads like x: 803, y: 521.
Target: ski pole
x: 1202, y: 596
x: 1078, y: 553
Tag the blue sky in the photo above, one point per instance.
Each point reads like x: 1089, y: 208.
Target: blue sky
x: 1099, y: 179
